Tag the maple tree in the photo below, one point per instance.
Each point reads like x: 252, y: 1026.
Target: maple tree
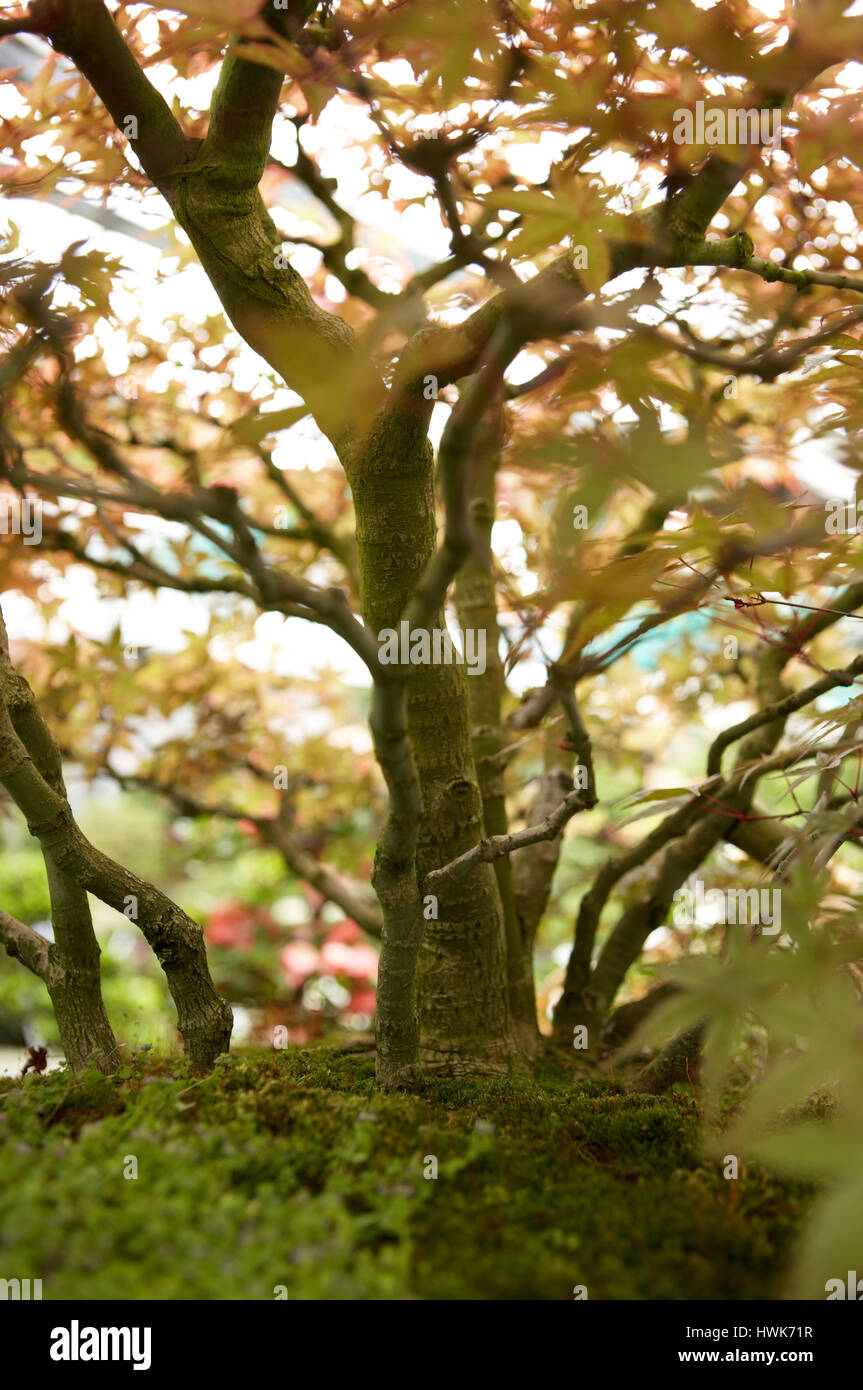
x: 633, y: 343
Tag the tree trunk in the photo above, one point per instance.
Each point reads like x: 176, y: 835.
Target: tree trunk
x: 677, y: 1062
x: 476, y: 601
x: 465, y: 1019
x: 73, y: 982
x: 31, y: 772
x: 73, y: 976
x: 85, y: 1033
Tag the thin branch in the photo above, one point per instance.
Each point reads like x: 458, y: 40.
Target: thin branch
x: 766, y: 365
x: 487, y: 851
x: 780, y: 709
x: 453, y: 467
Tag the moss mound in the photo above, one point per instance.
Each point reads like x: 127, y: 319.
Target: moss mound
x: 291, y: 1169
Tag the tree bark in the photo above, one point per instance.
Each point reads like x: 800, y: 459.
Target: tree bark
x: 476, y: 603
x: 72, y: 974
x: 74, y: 985
x: 465, y: 1019
x: 677, y: 1062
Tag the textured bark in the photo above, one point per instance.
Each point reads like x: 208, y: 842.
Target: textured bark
x: 269, y: 304
x: 677, y: 1062
x: 628, y: 1017
x: 70, y: 973
x: 23, y: 943
x: 476, y: 603
x: 74, y: 985
x: 464, y: 1005
x: 534, y: 872
x: 397, y: 1034
x: 86, y: 1036
x: 394, y: 878
x: 212, y: 187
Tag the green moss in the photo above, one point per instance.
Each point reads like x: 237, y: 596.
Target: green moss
x: 291, y: 1168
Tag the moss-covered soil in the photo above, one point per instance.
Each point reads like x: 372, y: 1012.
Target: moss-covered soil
x: 291, y: 1169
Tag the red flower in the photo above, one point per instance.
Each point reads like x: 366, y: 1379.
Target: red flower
x: 233, y: 925
x: 362, y: 1001
x: 357, y: 962
x: 237, y: 925
x: 347, y: 931
x: 299, y: 960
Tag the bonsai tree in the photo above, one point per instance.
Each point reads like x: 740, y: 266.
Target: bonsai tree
x: 633, y: 332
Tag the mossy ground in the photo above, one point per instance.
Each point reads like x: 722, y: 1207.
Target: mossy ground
x: 291, y: 1169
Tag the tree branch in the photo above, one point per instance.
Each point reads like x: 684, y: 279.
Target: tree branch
x: 488, y: 850
x: 454, y: 455
x: 24, y: 944
x: 86, y: 32
x: 780, y: 709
